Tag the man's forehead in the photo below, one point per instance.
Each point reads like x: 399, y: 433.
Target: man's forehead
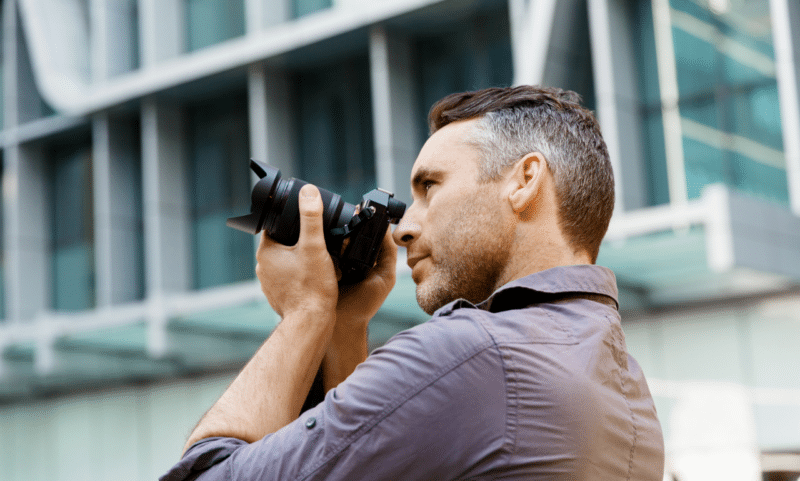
x: 448, y: 148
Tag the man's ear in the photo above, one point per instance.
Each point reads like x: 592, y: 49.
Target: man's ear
x: 527, y: 181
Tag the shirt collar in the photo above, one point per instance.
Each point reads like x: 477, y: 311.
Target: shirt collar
x: 546, y: 285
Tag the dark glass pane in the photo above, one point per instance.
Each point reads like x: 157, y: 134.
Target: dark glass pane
x: 334, y: 124
x: 212, y: 21
x: 301, y: 8
x: 72, y: 221
x: 470, y: 54
x: 220, y: 188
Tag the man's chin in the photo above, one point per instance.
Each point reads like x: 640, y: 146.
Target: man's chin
x: 430, y: 298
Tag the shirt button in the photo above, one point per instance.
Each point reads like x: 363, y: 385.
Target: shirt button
x: 311, y: 422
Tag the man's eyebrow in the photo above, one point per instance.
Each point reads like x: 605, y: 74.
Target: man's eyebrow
x: 424, y: 174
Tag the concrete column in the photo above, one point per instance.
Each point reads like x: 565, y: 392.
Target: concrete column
x: 26, y: 233
x: 117, y: 220
x: 786, y: 37
x: 162, y: 30
x: 10, y: 64
x: 98, y: 40
x: 393, y: 110
x: 272, y: 138
x: 616, y: 93
x: 265, y: 13
x: 113, y: 43
x: 167, y: 223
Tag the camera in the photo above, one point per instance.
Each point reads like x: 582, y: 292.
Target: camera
x: 353, y: 233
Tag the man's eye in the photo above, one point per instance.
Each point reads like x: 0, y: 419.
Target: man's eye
x: 426, y: 185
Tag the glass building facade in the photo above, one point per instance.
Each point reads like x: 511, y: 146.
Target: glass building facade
x: 718, y: 58
x: 219, y: 185
x: 127, y: 305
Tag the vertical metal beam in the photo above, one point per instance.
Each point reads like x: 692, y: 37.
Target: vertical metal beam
x: 786, y: 39
x: 617, y: 100
x: 166, y: 215
x: 394, y: 116
x: 101, y: 180
x: 531, y: 33
x: 162, y: 30
x: 166, y: 209
x: 98, y: 40
x: 668, y: 86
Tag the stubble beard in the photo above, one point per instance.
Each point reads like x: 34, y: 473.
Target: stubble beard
x: 467, y: 264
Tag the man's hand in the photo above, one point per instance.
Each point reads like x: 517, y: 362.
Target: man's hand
x: 299, y: 277
x: 358, y: 303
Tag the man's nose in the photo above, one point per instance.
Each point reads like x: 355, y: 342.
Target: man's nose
x: 408, y: 230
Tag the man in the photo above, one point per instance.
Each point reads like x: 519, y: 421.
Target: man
x: 522, y: 372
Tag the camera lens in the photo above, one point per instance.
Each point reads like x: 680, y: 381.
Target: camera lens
x: 275, y: 209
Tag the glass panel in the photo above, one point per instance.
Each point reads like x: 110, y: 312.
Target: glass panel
x: 470, y: 54
x: 304, y: 7
x: 728, y: 99
x: 220, y: 188
x: 335, y: 128
x: 212, y: 21
x: 73, y: 231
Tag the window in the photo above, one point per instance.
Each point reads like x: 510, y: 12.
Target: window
x: 73, y: 226
x: 334, y: 125
x: 728, y: 98
x: 212, y: 21
x: 220, y: 188
x: 302, y: 8
x: 471, y: 54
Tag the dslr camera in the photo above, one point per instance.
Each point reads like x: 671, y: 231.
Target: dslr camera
x: 353, y: 233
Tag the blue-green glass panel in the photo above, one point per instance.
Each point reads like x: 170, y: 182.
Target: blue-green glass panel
x: 301, y: 8
x: 73, y: 227
x: 704, y: 165
x: 655, y: 153
x: 755, y: 114
x: 758, y: 178
x: 726, y: 81
x: 220, y: 188
x: 652, y: 126
x: 334, y: 125
x: 212, y: 21
x: 468, y: 54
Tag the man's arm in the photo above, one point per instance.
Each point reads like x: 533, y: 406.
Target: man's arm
x: 300, y: 283
x: 357, y: 305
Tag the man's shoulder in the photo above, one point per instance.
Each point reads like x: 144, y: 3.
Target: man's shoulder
x: 460, y: 333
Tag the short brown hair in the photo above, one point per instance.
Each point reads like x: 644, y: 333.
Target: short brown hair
x: 519, y: 120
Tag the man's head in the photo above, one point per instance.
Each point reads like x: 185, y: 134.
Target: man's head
x: 511, y: 180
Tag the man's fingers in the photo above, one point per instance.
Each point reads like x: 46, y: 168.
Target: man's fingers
x: 311, y: 227
x: 387, y: 260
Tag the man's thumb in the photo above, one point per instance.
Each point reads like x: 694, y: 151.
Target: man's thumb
x: 310, y: 206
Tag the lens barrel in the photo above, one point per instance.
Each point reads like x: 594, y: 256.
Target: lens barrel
x: 275, y: 209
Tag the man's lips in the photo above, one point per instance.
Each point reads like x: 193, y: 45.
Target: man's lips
x: 412, y: 261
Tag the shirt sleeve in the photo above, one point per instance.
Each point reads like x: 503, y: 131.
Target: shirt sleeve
x: 417, y: 408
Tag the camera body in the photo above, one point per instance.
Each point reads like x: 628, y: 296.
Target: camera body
x: 353, y: 233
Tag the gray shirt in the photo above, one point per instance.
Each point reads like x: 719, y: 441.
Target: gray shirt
x: 533, y: 383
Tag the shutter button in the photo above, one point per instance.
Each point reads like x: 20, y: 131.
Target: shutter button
x: 311, y: 422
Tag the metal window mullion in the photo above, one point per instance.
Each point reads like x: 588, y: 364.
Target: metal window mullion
x: 101, y: 178
x: 670, y: 96
x: 785, y: 17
